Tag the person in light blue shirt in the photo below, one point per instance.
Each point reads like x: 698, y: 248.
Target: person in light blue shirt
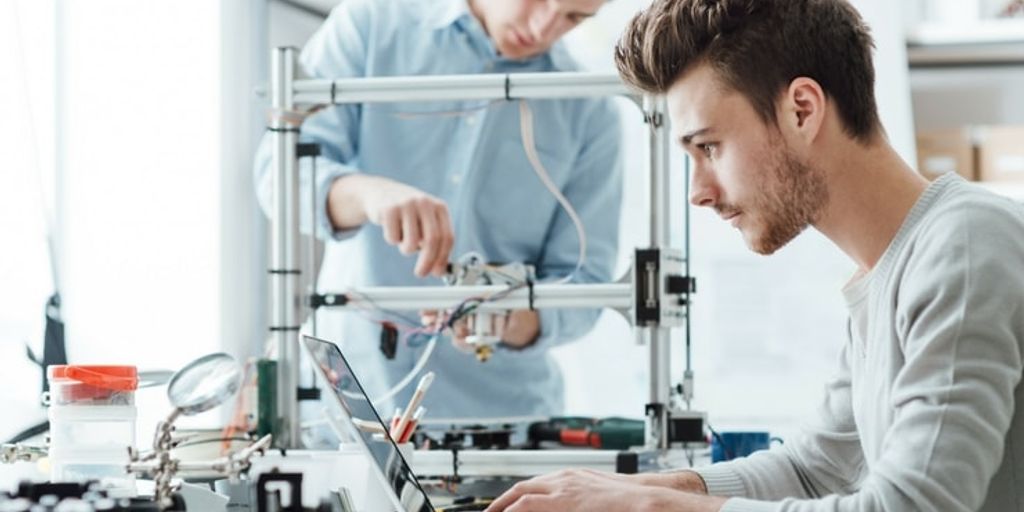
x: 404, y: 188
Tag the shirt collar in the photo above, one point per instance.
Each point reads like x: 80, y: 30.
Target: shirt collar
x: 457, y: 11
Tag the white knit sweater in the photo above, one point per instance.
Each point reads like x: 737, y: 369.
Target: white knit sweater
x: 923, y: 413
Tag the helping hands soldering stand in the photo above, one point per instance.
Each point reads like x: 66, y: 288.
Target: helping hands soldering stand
x: 198, y: 387
x: 655, y: 297
x: 19, y: 452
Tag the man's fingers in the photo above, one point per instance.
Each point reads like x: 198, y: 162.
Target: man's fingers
x: 461, y: 329
x: 428, y: 317
x: 410, y: 231
x: 432, y: 244
x: 413, y: 221
x: 391, y: 223
x: 533, y: 486
x: 534, y: 503
x: 459, y: 332
x: 422, y: 225
x: 505, y: 322
x: 446, y: 233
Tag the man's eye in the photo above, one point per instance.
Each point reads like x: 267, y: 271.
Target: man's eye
x: 707, y: 149
x: 576, y: 18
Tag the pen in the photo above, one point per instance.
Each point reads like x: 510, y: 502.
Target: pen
x: 368, y: 426
x: 414, y: 402
x: 406, y: 435
x: 394, y: 421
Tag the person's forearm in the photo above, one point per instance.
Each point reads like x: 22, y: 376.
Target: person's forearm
x: 345, y: 205
x: 687, y: 481
x: 690, y: 481
x: 665, y: 500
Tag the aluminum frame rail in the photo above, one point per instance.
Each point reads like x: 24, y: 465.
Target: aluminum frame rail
x: 510, y: 86
x: 543, y: 296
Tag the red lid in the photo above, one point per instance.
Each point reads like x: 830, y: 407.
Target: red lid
x: 117, y: 378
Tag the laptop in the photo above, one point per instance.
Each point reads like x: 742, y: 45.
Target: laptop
x: 347, y: 400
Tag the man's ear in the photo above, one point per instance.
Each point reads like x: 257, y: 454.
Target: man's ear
x: 803, y: 109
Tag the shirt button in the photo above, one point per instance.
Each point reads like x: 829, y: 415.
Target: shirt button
x: 471, y: 120
x: 456, y: 178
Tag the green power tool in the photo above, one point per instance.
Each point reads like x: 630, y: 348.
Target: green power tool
x: 607, y: 433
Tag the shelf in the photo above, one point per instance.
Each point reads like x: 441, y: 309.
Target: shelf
x: 979, y: 32
x: 984, y: 42
x: 966, y: 55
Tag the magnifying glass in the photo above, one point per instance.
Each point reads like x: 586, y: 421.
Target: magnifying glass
x: 204, y: 384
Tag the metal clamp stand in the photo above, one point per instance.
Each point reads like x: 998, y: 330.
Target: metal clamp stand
x: 162, y: 468
x: 158, y: 464
x: 17, y: 452
x: 198, y: 387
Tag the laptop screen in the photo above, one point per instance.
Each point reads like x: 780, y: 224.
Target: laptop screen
x: 348, y: 400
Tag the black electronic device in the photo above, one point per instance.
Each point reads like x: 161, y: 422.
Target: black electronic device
x: 84, y: 497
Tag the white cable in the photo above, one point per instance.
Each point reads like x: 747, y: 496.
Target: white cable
x: 526, y: 129
x: 402, y: 384
x: 308, y: 424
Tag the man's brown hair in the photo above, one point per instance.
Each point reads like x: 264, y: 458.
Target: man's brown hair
x: 757, y: 48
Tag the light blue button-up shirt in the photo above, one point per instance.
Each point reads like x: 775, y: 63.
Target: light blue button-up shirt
x: 475, y: 162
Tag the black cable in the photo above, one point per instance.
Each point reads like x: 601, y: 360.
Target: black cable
x: 721, y: 442
x: 30, y: 432
x: 464, y: 308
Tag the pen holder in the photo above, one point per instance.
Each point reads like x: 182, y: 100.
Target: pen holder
x: 407, y: 450
x: 354, y: 472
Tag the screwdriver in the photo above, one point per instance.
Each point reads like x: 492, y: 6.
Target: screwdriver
x: 609, y: 433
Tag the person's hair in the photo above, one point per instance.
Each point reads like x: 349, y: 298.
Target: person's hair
x: 757, y: 48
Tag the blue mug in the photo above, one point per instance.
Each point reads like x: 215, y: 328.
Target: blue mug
x: 732, y: 445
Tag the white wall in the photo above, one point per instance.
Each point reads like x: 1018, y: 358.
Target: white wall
x: 26, y: 147
x: 163, y: 256
x: 133, y: 124
x: 244, y: 286
x: 140, y: 106
x: 892, y: 83
x: 290, y: 26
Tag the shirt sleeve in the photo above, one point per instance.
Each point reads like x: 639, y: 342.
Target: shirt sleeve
x: 825, y: 458
x: 595, y: 192
x: 338, y: 49
x: 959, y: 322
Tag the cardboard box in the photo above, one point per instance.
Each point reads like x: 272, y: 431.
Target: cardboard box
x: 942, y: 151
x: 1001, y: 153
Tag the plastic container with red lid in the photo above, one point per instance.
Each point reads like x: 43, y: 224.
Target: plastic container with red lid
x: 92, y: 424
x: 92, y: 385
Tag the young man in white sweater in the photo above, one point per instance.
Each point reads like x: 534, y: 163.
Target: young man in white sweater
x: 773, y: 99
